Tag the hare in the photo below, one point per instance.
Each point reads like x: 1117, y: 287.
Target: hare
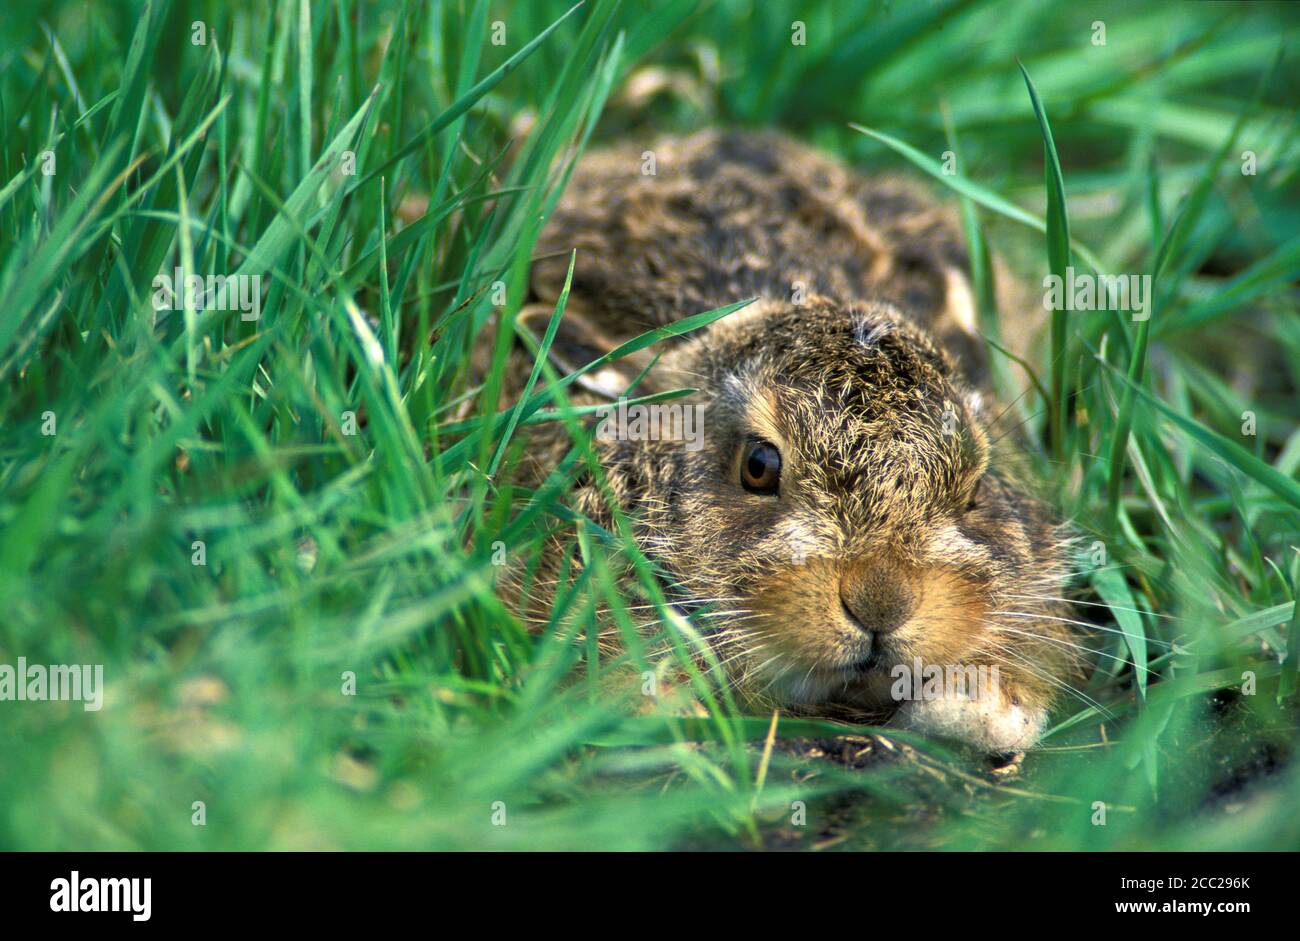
x: 848, y: 526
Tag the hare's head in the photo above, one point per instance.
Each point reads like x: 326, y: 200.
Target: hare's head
x: 829, y: 501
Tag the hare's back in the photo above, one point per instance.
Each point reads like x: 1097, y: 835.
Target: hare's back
x: 689, y: 224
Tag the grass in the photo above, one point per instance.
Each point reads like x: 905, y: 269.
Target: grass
x: 346, y: 490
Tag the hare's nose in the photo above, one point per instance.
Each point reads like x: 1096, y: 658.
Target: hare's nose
x: 874, y: 600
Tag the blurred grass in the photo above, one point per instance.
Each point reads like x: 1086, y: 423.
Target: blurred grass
x: 371, y: 553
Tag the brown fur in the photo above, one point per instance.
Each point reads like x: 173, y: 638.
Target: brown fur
x: 873, y: 390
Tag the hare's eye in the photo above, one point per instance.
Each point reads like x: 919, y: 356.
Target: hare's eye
x: 760, y: 467
x: 974, y: 501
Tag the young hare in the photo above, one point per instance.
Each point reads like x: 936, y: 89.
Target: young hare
x: 847, y: 521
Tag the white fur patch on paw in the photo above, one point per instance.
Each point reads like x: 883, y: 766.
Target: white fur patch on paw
x: 991, y: 723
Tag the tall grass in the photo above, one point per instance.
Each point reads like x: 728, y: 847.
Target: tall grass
x: 346, y: 488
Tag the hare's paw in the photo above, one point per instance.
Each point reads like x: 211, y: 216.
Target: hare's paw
x: 999, y: 722
x: 665, y: 691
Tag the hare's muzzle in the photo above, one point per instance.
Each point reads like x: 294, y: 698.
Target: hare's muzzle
x: 876, y: 599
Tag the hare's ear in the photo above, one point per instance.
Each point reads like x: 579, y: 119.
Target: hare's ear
x: 957, y: 325
x: 579, y: 341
